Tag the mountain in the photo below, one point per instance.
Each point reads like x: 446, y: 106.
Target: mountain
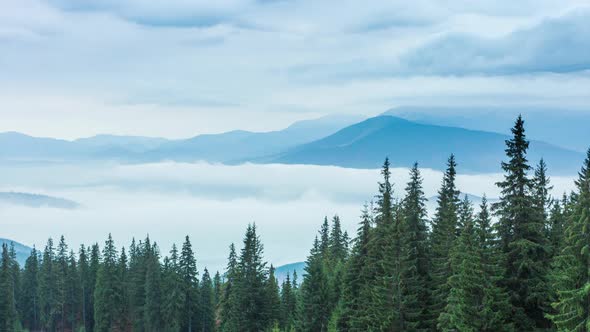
x: 365, y: 144
x: 36, y: 200
x: 282, y: 271
x: 22, y: 252
x: 130, y: 143
x: 229, y: 147
x: 239, y: 146
x: 562, y: 127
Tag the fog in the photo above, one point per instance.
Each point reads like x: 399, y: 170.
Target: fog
x: 211, y: 203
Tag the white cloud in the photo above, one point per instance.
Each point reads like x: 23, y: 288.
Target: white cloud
x: 211, y: 203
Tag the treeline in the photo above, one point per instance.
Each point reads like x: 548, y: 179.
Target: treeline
x: 519, y: 264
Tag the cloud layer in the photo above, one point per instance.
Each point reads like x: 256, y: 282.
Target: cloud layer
x: 179, y: 68
x: 211, y: 203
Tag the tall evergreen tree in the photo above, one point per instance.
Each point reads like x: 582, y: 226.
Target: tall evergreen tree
x: 288, y: 305
x: 153, y: 295
x: 313, y: 311
x: 189, y: 286
x: 414, y: 263
x: 523, y: 237
x: 30, y: 313
x: 207, y: 310
x: 444, y: 233
x: 173, y: 297
x: 273, y: 298
x: 8, y: 314
x: 571, y: 278
x: 354, y: 303
x: 48, y: 298
x: 229, y: 312
x: 107, y: 291
x: 250, y: 285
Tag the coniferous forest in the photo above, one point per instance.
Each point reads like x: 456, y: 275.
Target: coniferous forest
x: 519, y: 264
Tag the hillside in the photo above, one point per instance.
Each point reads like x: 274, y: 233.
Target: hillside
x: 364, y: 145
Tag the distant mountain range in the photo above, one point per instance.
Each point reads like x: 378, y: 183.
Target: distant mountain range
x: 365, y: 144
x: 282, y: 271
x: 562, y: 127
x: 22, y: 251
x: 36, y: 200
x: 335, y: 140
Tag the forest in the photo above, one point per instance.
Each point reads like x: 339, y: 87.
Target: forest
x: 519, y: 264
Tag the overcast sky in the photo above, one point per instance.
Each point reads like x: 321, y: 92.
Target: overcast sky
x: 177, y: 68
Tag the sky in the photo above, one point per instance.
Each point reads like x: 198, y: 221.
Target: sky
x: 178, y: 68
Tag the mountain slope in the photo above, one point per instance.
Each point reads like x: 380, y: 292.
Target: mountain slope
x: 229, y: 147
x: 561, y: 127
x: 238, y: 146
x: 365, y: 145
x: 22, y: 252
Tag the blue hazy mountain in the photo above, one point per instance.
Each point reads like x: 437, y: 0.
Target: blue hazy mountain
x: 282, y: 271
x: 129, y: 143
x: 238, y: 146
x: 234, y: 146
x: 365, y: 144
x: 36, y: 200
x: 22, y: 252
x: 561, y: 127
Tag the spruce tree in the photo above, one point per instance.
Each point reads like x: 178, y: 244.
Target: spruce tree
x: 522, y: 233
x: 8, y: 314
x: 288, y: 305
x: 273, y: 298
x: 153, y: 295
x: 313, y: 312
x: 48, y: 300
x: 30, y: 289
x: 250, y: 285
x: 189, y: 286
x: 107, y: 291
x: 414, y: 263
x: 383, y: 254
x: 442, y: 239
x: 571, y: 278
x: 354, y: 303
x: 173, y: 296
x: 207, y: 309
x: 229, y: 312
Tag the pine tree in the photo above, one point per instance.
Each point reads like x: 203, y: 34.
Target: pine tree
x: 313, y: 311
x: 229, y: 312
x: 30, y: 288
x: 522, y: 233
x: 61, y: 271
x: 495, y: 312
x: 207, y: 306
x: 217, y: 291
x: 273, y: 298
x: 444, y: 233
x: 123, y: 318
x: 93, y: 269
x: 382, y: 291
x: 466, y: 285
x: 189, y: 286
x: 173, y: 297
x: 571, y: 277
x: 337, y: 243
x: 414, y: 272
x: 153, y: 295
x: 288, y: 305
x: 107, y: 291
x: 250, y: 283
x: 48, y: 300
x: 8, y: 314
x: 73, y: 293
x: 354, y: 303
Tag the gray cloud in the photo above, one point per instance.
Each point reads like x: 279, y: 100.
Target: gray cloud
x: 558, y: 45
